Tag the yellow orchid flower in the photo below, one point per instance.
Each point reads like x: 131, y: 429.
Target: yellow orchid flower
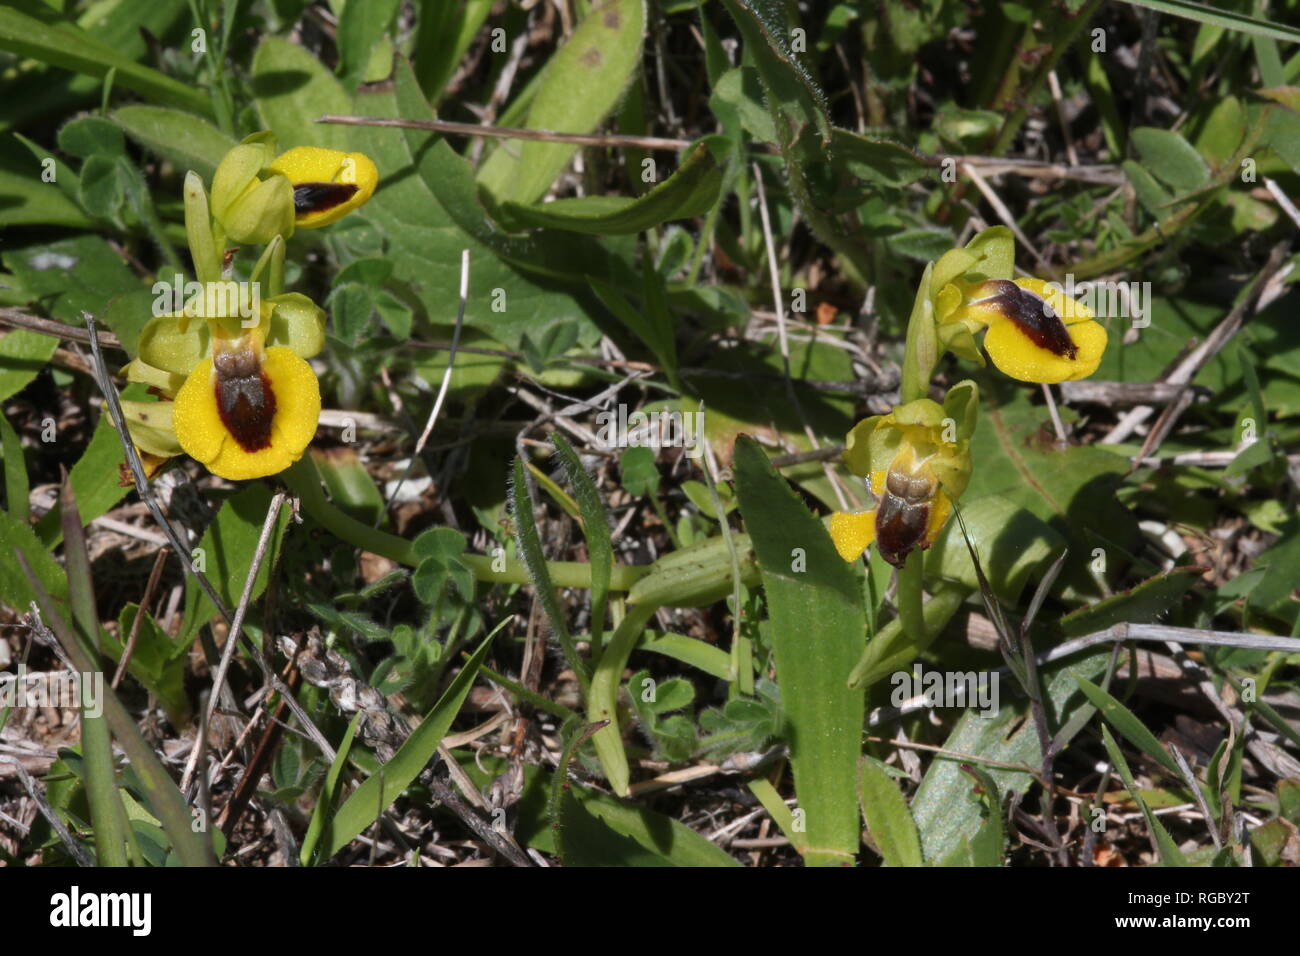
x: 246, y: 401
x: 327, y: 184
x: 255, y: 198
x: 917, y: 460
x: 1035, y: 332
x: 248, y: 411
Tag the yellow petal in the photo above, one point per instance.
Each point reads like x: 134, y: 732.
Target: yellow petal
x: 940, y: 511
x: 198, y: 424
x: 1016, y: 355
x: 852, y: 532
x: 305, y: 166
x: 297, y: 409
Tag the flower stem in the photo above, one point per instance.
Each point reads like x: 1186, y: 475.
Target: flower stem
x: 909, y: 598
x: 304, y: 481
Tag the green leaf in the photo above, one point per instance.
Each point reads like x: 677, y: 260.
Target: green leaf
x: 361, y: 26
x: 640, y: 473
x: 427, y: 207
x: 164, y: 797
x: 581, y: 84
x: 1127, y: 723
x: 944, y: 807
x: 26, y: 198
x: 1071, y: 489
x: 328, y: 794
x: 1011, y: 543
x: 17, y: 484
x: 602, y: 702
x: 704, y: 657
x: 595, y: 530
x: 810, y: 590
x: 292, y: 89
x: 186, y: 141
x: 444, y: 34
x: 67, y: 46
x: 96, y: 477
x: 226, y: 551
x: 87, y: 136
x: 1143, y: 604
x: 71, y: 275
x: 1225, y: 19
x: 22, y: 356
x: 155, y: 662
x: 530, y: 550
x: 890, y: 822
x: 1171, y: 158
x: 738, y: 98
x: 1170, y: 855
x: 690, y: 191
x: 377, y: 793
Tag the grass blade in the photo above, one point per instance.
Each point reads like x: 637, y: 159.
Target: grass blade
x: 602, y: 698
x: 112, y: 834
x: 595, y: 529
x: 379, y: 790
x: 164, y: 797
x: 530, y: 549
x: 1170, y: 855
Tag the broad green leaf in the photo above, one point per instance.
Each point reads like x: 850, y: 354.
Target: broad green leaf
x: 1071, y: 489
x: 810, y: 590
x: 890, y: 822
x: 71, y: 275
x: 96, y: 477
x: 22, y: 356
x: 381, y: 788
x: 427, y: 207
x: 292, y: 89
x: 582, y: 83
x: 445, y: 31
x: 1171, y: 158
x: 186, y: 141
x: 944, y: 807
x: 1142, y: 604
x: 1012, y: 543
x: 690, y: 191
x: 225, y: 554
x: 361, y: 26
x: 26, y: 198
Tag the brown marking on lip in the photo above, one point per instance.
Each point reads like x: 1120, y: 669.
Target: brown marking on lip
x: 245, y: 400
x: 900, y: 528
x: 318, y: 197
x: 1042, y: 326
